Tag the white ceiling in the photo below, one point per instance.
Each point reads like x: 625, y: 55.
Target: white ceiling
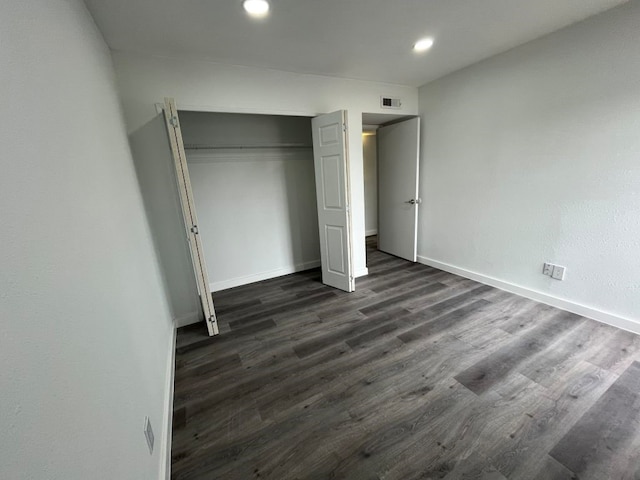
x: 362, y: 39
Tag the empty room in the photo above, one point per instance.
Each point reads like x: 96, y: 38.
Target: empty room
x: 339, y: 239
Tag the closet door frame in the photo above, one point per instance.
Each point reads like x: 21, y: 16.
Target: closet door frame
x: 187, y: 203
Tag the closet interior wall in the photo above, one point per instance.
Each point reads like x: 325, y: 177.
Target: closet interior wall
x: 370, y: 168
x: 254, y: 187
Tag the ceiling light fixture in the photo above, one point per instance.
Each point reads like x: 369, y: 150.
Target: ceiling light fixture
x: 423, y: 45
x: 256, y: 8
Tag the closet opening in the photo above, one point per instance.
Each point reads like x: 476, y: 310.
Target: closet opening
x: 236, y: 198
x: 254, y: 187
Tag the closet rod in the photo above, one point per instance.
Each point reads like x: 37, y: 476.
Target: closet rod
x: 242, y: 147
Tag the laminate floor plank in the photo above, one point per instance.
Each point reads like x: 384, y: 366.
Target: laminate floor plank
x: 434, y: 322
x: 555, y: 412
x: 297, y: 304
x: 384, y: 390
x: 432, y: 289
x: 620, y: 350
x: 600, y: 439
x: 466, y: 429
x: 551, y: 469
x: 449, y: 291
x: 474, y: 467
x: 417, y: 277
x: 241, y: 384
x: 419, y: 374
x: 225, y: 308
x: 318, y: 380
x: 506, y: 307
x: 419, y: 291
x: 376, y: 262
x: 410, y: 422
x: 579, y: 344
x: 528, y: 317
x: 402, y: 369
x: 393, y: 271
x: 327, y: 340
x: 498, y: 365
x: 453, y: 301
x: 479, y: 328
x: 209, y: 369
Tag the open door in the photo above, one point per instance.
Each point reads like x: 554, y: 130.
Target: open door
x: 189, y: 213
x: 398, y: 201
x: 332, y: 190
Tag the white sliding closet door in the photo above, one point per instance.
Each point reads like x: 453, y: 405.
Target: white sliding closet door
x: 189, y: 213
x: 332, y: 190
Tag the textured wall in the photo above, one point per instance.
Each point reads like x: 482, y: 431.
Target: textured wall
x: 534, y: 156
x: 85, y: 330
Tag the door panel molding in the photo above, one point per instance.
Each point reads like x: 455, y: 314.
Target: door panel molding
x: 332, y: 193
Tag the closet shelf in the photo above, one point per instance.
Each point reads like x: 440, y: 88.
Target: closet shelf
x: 245, y: 147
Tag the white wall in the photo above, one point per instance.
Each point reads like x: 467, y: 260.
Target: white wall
x: 156, y: 174
x: 370, y: 157
x: 85, y: 330
x: 256, y: 206
x: 534, y: 156
x: 144, y: 81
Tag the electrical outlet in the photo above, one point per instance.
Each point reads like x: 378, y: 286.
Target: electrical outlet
x: 547, y: 269
x: 148, y: 434
x: 558, y: 272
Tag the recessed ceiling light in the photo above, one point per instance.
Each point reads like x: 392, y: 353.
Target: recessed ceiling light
x: 423, y: 45
x: 256, y: 8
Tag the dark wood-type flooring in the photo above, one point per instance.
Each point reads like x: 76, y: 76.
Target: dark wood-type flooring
x: 419, y: 374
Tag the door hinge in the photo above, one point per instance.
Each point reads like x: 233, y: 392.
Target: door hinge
x: 194, y: 229
x: 344, y: 127
x: 212, y: 319
x: 174, y: 121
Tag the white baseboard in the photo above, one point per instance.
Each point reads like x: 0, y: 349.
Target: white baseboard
x: 561, y: 303
x: 257, y: 277
x: 165, y: 463
x: 362, y: 272
x: 187, y: 319
x: 368, y: 233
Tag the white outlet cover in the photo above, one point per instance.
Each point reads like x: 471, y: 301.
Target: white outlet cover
x: 558, y: 272
x: 148, y: 433
x: 547, y: 269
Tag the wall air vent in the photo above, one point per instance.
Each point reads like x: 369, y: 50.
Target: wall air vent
x: 388, y: 102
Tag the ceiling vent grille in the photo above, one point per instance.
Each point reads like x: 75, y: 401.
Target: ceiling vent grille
x: 388, y: 102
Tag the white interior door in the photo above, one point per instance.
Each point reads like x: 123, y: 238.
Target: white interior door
x: 332, y: 190
x: 189, y: 212
x: 398, y: 201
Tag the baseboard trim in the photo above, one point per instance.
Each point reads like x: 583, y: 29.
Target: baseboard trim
x: 236, y: 282
x: 362, y: 272
x: 187, y: 319
x: 561, y: 303
x: 369, y: 233
x: 165, y: 466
